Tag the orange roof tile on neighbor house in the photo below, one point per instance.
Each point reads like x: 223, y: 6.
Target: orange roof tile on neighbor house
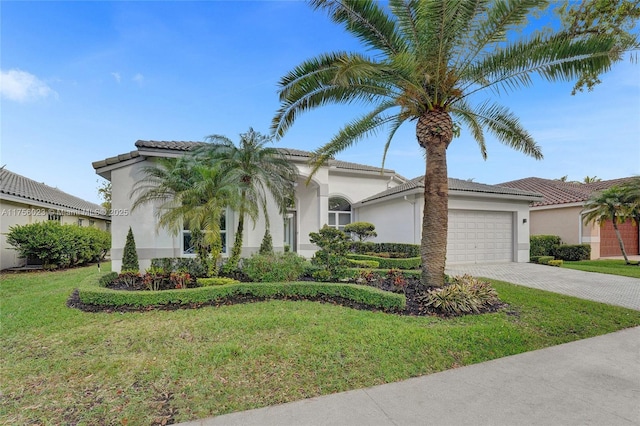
x: 558, y: 192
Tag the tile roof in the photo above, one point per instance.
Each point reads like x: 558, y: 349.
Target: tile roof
x: 556, y: 192
x: 29, y: 190
x: 457, y: 185
x: 184, y: 146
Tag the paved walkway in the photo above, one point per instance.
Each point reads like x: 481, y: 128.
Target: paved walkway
x: 593, y: 381
x: 611, y: 289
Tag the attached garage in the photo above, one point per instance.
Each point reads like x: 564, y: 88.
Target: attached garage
x: 487, y: 223
x: 480, y: 236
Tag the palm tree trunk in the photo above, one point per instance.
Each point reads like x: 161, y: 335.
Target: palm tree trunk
x: 624, y: 252
x: 434, y: 132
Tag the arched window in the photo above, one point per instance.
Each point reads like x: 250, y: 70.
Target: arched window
x: 339, y: 212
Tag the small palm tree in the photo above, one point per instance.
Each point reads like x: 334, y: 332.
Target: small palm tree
x: 427, y: 62
x: 258, y: 172
x: 610, y: 204
x: 189, y: 195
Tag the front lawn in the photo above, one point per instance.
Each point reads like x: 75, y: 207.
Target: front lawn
x: 65, y: 366
x: 613, y: 267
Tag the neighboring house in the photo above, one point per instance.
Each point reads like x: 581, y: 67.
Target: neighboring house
x: 24, y: 201
x: 488, y: 223
x: 561, y: 213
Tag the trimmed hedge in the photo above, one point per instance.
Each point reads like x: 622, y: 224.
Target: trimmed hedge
x: 555, y: 263
x: 369, y: 264
x: 543, y: 245
x: 407, y: 273
x: 390, y: 263
x: 411, y: 250
x: 207, y: 282
x: 90, y: 293
x: 572, y: 252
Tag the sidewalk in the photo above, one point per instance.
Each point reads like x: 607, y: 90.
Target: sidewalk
x: 592, y: 381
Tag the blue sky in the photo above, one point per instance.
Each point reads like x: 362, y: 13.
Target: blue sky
x: 82, y: 81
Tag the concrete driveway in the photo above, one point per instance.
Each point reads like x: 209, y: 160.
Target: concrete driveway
x: 611, y: 289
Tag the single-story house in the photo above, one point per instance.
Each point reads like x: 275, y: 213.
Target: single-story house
x: 339, y: 193
x: 24, y: 201
x: 561, y: 212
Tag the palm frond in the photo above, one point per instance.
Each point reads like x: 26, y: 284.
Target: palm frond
x: 504, y: 125
x: 555, y: 57
x: 351, y: 133
x: 366, y: 20
x: 464, y: 112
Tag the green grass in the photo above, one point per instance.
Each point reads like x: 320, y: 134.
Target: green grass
x: 613, y: 267
x: 64, y: 366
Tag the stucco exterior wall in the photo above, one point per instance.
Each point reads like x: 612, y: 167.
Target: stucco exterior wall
x: 563, y: 222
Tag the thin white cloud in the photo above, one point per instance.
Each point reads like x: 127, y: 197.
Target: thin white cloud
x: 116, y: 76
x: 21, y: 86
x: 138, y: 78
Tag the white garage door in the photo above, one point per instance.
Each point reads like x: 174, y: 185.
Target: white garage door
x: 479, y: 236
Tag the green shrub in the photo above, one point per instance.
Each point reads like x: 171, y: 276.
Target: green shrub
x: 130, y: 278
x: 274, y: 267
x: 410, y: 250
x: 207, y: 282
x: 155, y: 278
x: 130, y: 255
x: 322, y: 275
x: 572, y: 252
x: 389, y: 263
x: 334, y: 245
x: 464, y: 295
x: 59, y: 245
x: 91, y: 294
x: 534, y: 259
x: 352, y: 273
x: 193, y: 266
x: 555, y: 263
x: 544, y: 260
x: 543, y: 245
x: 107, y: 279
x: 371, y: 264
x: 362, y: 230
x: 266, y: 247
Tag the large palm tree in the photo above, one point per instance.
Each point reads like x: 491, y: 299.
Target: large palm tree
x: 609, y: 204
x: 428, y: 61
x: 258, y: 172
x: 192, y: 195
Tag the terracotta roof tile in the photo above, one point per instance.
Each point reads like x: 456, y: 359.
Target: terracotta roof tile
x: 557, y: 192
x: 185, y: 146
x: 454, y: 185
x: 29, y: 190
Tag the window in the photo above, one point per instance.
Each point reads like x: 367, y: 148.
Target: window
x: 339, y: 213
x: 92, y: 222
x: 108, y: 226
x: 189, y: 248
x: 80, y: 221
